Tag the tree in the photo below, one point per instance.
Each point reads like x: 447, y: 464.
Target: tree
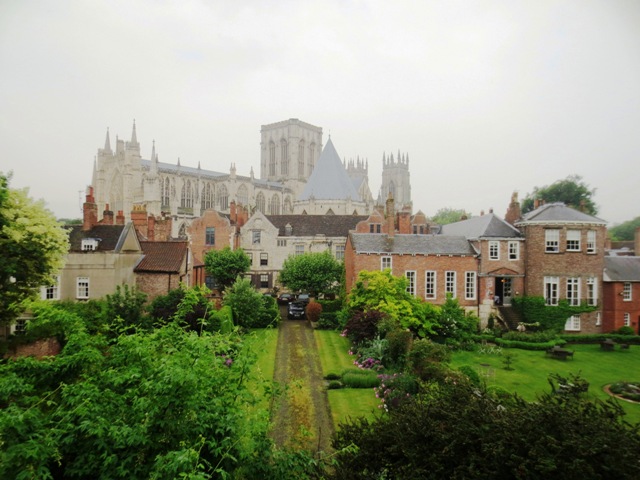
x: 448, y: 215
x: 572, y: 191
x: 625, y: 231
x: 225, y: 265
x: 312, y: 272
x: 32, y: 248
x: 250, y: 308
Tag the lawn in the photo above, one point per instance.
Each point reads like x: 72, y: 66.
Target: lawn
x: 531, y: 369
x: 263, y: 342
x: 335, y: 358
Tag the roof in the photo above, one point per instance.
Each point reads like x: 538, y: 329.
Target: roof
x: 162, y: 257
x: 108, y: 236
x: 483, y: 226
x: 412, y: 244
x: 329, y: 179
x: 558, y: 213
x: 311, y: 225
x: 621, y: 269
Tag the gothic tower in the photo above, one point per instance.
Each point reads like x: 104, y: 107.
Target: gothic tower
x: 396, y: 180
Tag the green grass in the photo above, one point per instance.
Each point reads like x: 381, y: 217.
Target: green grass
x: 333, y: 350
x: 263, y: 342
x: 531, y: 369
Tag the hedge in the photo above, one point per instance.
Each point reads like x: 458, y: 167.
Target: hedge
x: 529, y: 345
x: 600, y: 337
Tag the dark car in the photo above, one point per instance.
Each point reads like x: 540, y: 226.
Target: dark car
x: 304, y: 298
x: 285, y: 298
x: 296, y: 310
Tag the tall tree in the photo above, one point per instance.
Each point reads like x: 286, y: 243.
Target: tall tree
x: 225, y: 265
x: 448, y: 215
x: 625, y: 231
x: 312, y: 272
x: 572, y: 191
x: 32, y: 248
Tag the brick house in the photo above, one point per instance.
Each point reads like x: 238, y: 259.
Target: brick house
x: 163, y: 267
x: 621, y: 293
x: 565, y: 260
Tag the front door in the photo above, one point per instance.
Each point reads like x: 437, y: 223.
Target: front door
x: 504, y: 290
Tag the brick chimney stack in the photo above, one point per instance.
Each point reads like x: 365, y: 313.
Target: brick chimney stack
x: 391, y: 215
x: 107, y: 215
x: 120, y: 218
x: 89, y: 211
x: 404, y: 221
x: 513, y: 211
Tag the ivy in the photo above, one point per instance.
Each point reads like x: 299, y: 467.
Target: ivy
x: 550, y: 317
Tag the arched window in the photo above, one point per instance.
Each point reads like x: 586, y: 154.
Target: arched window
x: 223, y: 197
x: 165, y: 191
x: 272, y: 159
x: 274, y: 205
x: 260, y: 202
x: 186, y: 195
x: 206, y: 198
x: 243, y: 195
x: 182, y: 232
x: 284, y: 157
x: 287, y: 206
x: 312, y: 157
x: 301, y: 158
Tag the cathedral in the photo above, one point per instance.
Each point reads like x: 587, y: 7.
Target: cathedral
x: 298, y: 175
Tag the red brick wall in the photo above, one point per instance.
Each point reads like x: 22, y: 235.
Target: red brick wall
x: 46, y: 347
x: 198, y: 230
x: 614, y: 306
x: 156, y: 284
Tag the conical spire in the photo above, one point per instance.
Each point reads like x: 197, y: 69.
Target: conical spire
x: 107, y: 143
x: 134, y: 137
x: 154, y: 159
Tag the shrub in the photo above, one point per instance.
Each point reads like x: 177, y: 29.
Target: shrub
x: 330, y: 306
x: 363, y: 326
x: 332, y: 376
x: 360, y: 379
x: 626, y: 330
x: 376, y: 349
x: 328, y: 321
x: 425, y: 359
x: 313, y: 311
x: 529, y: 345
x: 533, y: 337
x: 471, y: 373
x: 395, y: 389
x: 399, y: 342
x: 597, y: 338
x: 334, y: 385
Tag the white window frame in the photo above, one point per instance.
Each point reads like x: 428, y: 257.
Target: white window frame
x: 573, y: 323
x: 264, y: 259
x: 256, y: 237
x: 299, y: 249
x: 514, y: 250
x: 82, y: 288
x: 51, y: 292
x: 281, y: 242
x: 552, y: 241
x: 573, y: 291
x: 574, y: 243
x: 386, y: 262
x: 591, y: 241
x: 430, y: 284
x: 340, y: 248
x: 598, y: 319
x: 592, y: 291
x: 450, y: 283
x: 470, y: 285
x: 551, y: 290
x: 494, y: 250
x: 627, y: 319
x: 410, y: 275
x: 89, y: 244
x: 627, y: 294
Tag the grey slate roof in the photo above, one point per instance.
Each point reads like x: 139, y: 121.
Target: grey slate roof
x: 109, y: 236
x: 558, y: 213
x: 483, y: 226
x: 621, y: 269
x: 329, y: 179
x: 311, y: 225
x: 412, y: 244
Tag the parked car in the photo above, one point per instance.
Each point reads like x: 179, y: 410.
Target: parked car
x: 285, y: 298
x: 296, y: 310
x: 304, y: 298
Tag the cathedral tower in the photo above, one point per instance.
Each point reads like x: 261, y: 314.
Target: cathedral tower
x: 396, y: 180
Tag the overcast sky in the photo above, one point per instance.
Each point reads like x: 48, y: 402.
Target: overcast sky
x: 486, y: 97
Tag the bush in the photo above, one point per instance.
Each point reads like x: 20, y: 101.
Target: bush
x: 360, y: 378
x: 529, y: 345
x: 601, y: 337
x: 425, y: 359
x: 530, y: 337
x: 471, y: 373
x: 330, y: 306
x: 313, y: 311
x: 626, y: 331
x: 363, y: 326
x: 328, y: 321
x: 334, y: 385
x: 395, y: 389
x: 399, y: 342
x: 332, y: 376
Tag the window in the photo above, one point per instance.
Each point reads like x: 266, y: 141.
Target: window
x: 627, y: 319
x: 272, y: 159
x: 301, y: 158
x: 573, y: 240
x: 551, y: 290
x: 411, y: 281
x: 591, y: 241
x: 223, y: 197
x: 82, y: 287
x: 450, y: 283
x: 256, y: 237
x: 470, y: 285
x: 494, y: 250
x: 264, y: 280
x: 340, y: 252
x: 573, y: 323
x: 514, y: 250
x: 573, y: 291
x: 418, y: 229
x: 430, y: 284
x: 210, y: 236
x: 260, y: 202
x: 250, y: 255
x: 592, y: 291
x: 264, y: 259
x: 51, y: 292
x: 299, y: 249
x: 282, y: 243
x: 385, y: 262
x: 19, y: 327
x: 89, y: 244
x: 210, y: 282
x: 626, y: 292
x: 284, y: 157
x: 374, y: 228
x: 552, y: 241
x: 598, y: 319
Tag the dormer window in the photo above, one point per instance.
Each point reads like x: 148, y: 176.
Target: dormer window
x: 288, y: 229
x: 89, y: 244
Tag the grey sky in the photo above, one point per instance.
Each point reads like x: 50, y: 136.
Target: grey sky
x: 486, y: 97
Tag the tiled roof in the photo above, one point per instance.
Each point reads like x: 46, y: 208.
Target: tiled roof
x: 108, y: 236
x: 621, y: 269
x: 558, y: 213
x: 167, y: 257
x: 483, y: 226
x: 311, y: 225
x: 329, y: 179
x: 412, y: 244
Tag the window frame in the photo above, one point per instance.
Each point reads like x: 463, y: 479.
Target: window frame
x: 430, y: 285
x: 84, y: 283
x: 210, y: 236
x: 551, y: 286
x: 591, y: 241
x: 264, y: 280
x: 340, y: 249
x: 574, y: 241
x: 514, y: 250
x: 573, y: 324
x: 627, y: 292
x: 264, y: 259
x: 386, y: 259
x: 470, y: 285
x: 299, y: 249
x: 573, y: 291
x: 256, y: 237
x: 552, y: 240
x: 494, y: 250
x: 450, y: 283
x: 51, y: 292
x: 410, y: 275
x: 592, y: 291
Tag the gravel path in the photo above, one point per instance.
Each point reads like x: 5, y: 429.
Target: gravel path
x: 301, y: 416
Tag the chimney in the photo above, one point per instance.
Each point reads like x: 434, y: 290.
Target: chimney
x: 390, y: 217
x: 107, y: 215
x: 89, y: 211
x: 233, y: 212
x: 513, y: 211
x: 120, y: 218
x: 536, y: 203
x: 151, y: 228
x: 404, y: 222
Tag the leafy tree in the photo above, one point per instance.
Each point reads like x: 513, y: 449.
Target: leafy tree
x: 250, y: 308
x: 32, y: 248
x: 625, y: 231
x: 225, y: 265
x: 127, y: 305
x: 312, y: 272
x: 455, y: 429
x: 448, y: 215
x: 572, y: 191
x: 453, y: 322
